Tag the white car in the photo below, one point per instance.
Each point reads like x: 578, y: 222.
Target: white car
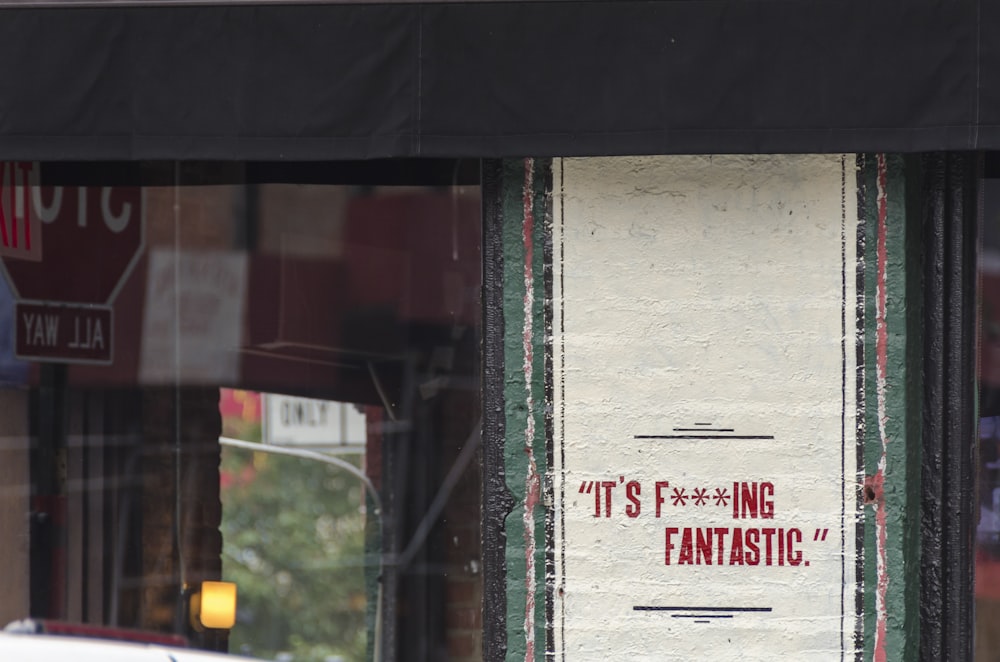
x: 61, y: 648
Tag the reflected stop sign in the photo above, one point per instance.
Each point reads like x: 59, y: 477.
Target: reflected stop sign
x: 66, y: 252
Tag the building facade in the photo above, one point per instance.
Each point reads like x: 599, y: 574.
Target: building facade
x: 671, y: 324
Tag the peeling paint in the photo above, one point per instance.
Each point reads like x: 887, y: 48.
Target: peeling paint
x: 876, y: 483
x: 532, y: 487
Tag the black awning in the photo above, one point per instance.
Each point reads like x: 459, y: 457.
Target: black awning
x: 480, y: 79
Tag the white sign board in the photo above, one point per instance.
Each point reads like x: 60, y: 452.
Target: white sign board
x: 705, y: 409
x: 193, y: 322
x: 318, y: 424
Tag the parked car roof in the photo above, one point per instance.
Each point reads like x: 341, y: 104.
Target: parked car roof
x: 59, y: 648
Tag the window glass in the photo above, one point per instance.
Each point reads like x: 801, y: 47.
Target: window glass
x: 260, y: 374
x: 987, y: 560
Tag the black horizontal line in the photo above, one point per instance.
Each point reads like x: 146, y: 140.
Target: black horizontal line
x: 704, y: 430
x: 703, y: 621
x: 703, y: 424
x: 657, y: 608
x: 701, y: 616
x: 703, y: 436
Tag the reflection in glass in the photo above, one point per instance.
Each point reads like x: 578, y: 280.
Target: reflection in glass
x: 987, y: 560
x: 118, y: 496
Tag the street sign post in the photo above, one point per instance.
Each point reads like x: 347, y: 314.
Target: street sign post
x: 66, y: 251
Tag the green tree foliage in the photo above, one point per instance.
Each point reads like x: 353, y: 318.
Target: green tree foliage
x: 293, y: 532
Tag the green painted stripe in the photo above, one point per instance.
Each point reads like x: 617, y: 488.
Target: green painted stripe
x: 525, y: 209
x: 894, y: 486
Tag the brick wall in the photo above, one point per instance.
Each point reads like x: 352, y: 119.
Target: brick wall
x: 201, y: 510
x: 462, y: 520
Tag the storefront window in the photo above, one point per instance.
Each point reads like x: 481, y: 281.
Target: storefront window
x: 251, y: 373
x: 987, y: 560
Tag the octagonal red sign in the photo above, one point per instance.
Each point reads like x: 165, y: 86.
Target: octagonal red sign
x: 67, y: 244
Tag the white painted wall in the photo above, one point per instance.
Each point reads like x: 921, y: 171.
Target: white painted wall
x: 704, y: 297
